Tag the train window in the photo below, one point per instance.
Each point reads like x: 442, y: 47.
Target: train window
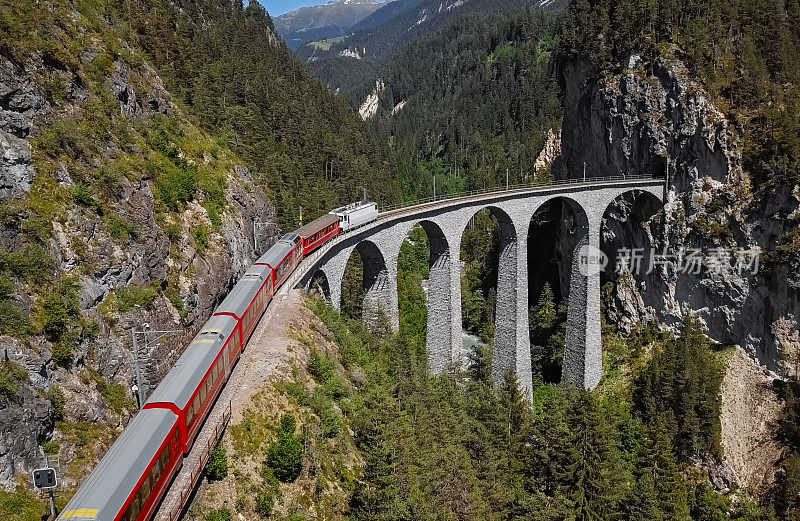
x: 135, y: 507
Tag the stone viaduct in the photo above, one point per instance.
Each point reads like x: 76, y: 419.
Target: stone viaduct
x: 444, y: 222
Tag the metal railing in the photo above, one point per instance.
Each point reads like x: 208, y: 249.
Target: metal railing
x: 198, y: 470
x: 589, y: 181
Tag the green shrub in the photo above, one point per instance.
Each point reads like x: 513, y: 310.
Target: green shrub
x: 173, y: 231
x: 20, y: 505
x: 11, y: 375
x: 58, y: 402
x: 62, y: 354
x: 217, y: 466
x: 220, y: 514
x: 13, y: 320
x: 264, y: 502
x: 83, y: 195
x: 285, y: 454
x: 56, y: 317
x: 336, y: 387
x: 119, y: 229
x: 128, y: 298
x: 321, y: 367
x: 51, y: 448
x: 201, y: 238
x: 32, y: 264
x: 112, y: 392
x: 58, y: 310
x: 175, y: 180
x: 6, y: 288
x: 116, y: 398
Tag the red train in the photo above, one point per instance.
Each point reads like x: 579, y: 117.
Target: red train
x: 132, y: 478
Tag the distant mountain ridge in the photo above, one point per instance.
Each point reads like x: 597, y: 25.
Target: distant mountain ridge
x: 329, y: 20
x: 356, y: 60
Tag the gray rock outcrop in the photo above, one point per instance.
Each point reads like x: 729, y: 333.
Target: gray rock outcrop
x: 190, y: 279
x: 653, y: 119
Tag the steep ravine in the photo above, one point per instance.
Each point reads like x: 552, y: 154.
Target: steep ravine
x: 654, y: 119
x: 115, y: 256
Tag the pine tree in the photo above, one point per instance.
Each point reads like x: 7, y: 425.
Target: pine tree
x: 670, y: 490
x: 593, y: 474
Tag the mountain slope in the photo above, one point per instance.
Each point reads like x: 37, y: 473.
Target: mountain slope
x: 329, y: 20
x: 477, y: 109
x: 375, y: 40
x: 241, y: 82
x: 141, y: 141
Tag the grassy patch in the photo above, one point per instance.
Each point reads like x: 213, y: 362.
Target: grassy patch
x: 202, y: 236
x: 120, y: 229
x: 129, y: 298
x: 11, y: 376
x: 89, y: 440
x: 21, y: 505
x: 113, y: 393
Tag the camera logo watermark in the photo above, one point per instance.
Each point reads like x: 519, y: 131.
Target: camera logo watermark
x: 591, y: 260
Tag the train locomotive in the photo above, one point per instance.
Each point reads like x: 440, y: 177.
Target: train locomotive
x: 132, y: 478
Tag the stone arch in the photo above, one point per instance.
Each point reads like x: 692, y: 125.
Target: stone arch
x: 443, y: 338
x: 558, y: 229
x: 375, y: 282
x: 509, y: 350
x: 557, y: 225
x: 580, y: 263
x: 630, y: 226
x: 319, y: 284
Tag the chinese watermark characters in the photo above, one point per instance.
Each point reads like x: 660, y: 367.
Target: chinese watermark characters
x: 691, y: 261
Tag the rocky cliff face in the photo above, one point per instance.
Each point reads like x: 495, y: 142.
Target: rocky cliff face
x: 180, y: 263
x: 653, y: 119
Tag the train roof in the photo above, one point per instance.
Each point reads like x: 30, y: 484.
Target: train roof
x: 104, y: 493
x: 317, y: 225
x: 185, y: 376
x: 243, y: 293
x: 277, y: 253
x: 344, y: 210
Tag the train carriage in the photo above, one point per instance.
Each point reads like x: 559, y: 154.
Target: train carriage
x: 318, y: 232
x: 249, y: 298
x: 283, y: 257
x: 193, y: 384
x: 356, y: 215
x: 131, y: 478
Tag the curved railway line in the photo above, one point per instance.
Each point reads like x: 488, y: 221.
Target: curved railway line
x: 193, y: 411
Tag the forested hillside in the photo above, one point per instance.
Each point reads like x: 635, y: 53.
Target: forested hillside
x: 747, y: 54
x: 141, y: 142
x: 226, y: 64
x: 477, y: 111
x: 359, y: 57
